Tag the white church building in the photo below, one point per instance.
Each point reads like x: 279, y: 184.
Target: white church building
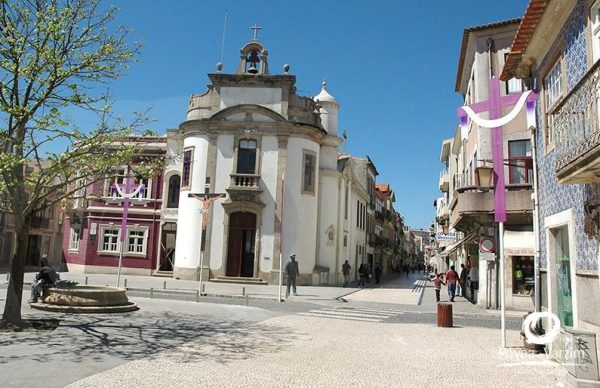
x: 274, y: 156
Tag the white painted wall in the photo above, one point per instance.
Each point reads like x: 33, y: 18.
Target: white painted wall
x: 267, y: 97
x: 187, y: 247
x: 300, y: 210
x: 225, y: 153
x: 328, y: 220
x: 268, y: 176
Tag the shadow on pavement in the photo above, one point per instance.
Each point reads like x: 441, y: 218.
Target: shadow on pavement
x: 129, y: 337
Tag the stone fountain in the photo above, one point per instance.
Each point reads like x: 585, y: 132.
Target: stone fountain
x: 85, y: 299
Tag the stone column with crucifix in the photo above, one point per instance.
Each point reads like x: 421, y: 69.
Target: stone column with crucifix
x: 207, y: 199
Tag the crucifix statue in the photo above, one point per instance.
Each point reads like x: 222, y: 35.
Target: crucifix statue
x: 207, y: 199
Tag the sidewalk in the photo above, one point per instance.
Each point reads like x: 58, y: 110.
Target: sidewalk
x: 188, y: 289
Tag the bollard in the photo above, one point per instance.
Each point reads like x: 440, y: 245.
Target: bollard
x: 86, y: 280
x: 243, y: 291
x: 246, y: 300
x: 444, y: 315
x: 165, y: 285
x: 151, y: 293
x: 203, y: 289
x: 125, y: 283
x: 197, y: 296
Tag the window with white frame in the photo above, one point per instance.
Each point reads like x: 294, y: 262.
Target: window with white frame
x: 146, y: 191
x: 514, y: 85
x: 109, y: 239
x: 552, y: 94
x: 137, y: 240
x: 118, y: 177
x: 74, y: 237
x: 80, y: 194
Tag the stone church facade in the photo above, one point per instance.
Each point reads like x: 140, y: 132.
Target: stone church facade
x: 259, y: 180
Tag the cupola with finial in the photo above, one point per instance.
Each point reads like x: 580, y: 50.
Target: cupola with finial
x: 328, y: 109
x: 253, y: 56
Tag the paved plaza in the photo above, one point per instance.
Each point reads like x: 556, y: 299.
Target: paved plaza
x: 327, y: 336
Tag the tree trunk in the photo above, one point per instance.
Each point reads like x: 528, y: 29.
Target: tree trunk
x: 14, y: 297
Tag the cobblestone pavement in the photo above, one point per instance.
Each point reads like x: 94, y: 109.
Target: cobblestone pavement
x: 307, y: 351
x: 385, y: 336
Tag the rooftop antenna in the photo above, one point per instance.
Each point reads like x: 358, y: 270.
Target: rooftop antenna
x: 220, y: 64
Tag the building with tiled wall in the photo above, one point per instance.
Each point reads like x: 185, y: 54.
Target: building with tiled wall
x: 557, y: 49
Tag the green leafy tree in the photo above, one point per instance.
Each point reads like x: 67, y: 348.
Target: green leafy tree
x: 55, y: 55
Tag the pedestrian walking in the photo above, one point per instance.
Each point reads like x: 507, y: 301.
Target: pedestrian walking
x: 462, y: 281
x: 473, y: 280
x: 451, y: 280
x: 437, y: 285
x: 346, y: 272
x: 363, y: 274
x: 378, y: 271
x: 292, y: 271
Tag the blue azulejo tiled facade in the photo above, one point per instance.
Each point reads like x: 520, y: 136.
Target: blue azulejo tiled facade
x: 554, y: 197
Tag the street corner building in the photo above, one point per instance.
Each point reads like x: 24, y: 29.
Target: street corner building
x: 252, y: 176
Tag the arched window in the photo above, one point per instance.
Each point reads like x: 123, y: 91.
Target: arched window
x: 173, y: 194
x: 246, y: 163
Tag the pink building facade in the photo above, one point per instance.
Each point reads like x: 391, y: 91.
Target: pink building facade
x: 93, y: 222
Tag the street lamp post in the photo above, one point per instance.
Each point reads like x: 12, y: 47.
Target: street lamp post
x: 126, y: 195
x: 494, y: 106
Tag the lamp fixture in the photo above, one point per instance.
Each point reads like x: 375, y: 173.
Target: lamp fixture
x: 484, y: 176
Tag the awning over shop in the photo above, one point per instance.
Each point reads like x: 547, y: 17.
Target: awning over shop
x: 451, y: 248
x: 518, y: 243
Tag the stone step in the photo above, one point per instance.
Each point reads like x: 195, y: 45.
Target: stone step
x: 238, y: 280
x: 163, y: 274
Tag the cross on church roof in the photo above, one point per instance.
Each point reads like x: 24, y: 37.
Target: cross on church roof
x: 255, y: 27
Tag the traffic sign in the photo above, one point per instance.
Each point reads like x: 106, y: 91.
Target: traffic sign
x: 487, y: 245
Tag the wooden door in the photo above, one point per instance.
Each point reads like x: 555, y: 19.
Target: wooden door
x: 240, y: 247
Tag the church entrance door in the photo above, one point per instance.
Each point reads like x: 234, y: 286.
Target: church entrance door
x: 240, y: 247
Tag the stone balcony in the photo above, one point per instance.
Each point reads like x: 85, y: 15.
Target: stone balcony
x: 471, y: 207
x: 444, y: 181
x: 245, y: 188
x: 576, y: 129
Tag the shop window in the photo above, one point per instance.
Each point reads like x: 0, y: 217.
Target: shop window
x: 523, y: 275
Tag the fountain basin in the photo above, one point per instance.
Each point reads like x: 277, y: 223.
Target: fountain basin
x: 86, y: 299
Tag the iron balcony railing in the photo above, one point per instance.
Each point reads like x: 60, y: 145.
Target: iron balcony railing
x: 574, y: 121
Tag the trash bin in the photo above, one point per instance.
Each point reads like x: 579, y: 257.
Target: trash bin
x: 444, y: 315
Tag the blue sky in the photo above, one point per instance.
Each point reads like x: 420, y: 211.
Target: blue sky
x: 391, y: 65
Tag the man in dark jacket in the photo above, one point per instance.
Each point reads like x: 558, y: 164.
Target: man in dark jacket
x: 46, y: 278
x: 292, y: 271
